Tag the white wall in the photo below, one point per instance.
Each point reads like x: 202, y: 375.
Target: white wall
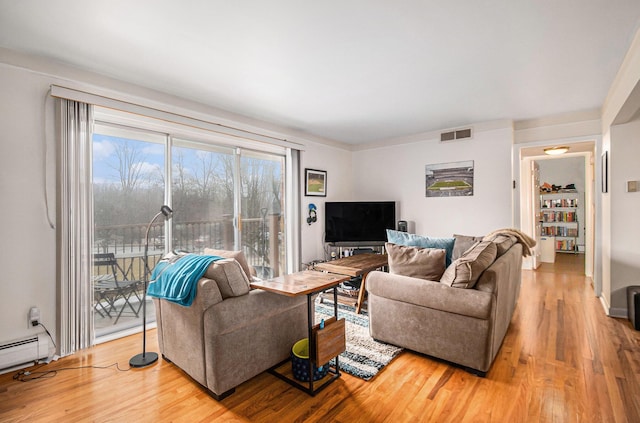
x: 28, y: 243
x: 337, y: 163
x: 625, y: 206
x: 620, y: 232
x: 28, y: 260
x: 398, y: 173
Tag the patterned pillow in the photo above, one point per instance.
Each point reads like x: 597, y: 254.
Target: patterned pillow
x: 423, y: 263
x: 413, y: 240
x: 465, y: 271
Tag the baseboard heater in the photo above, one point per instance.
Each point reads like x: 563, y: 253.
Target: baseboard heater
x: 22, y: 351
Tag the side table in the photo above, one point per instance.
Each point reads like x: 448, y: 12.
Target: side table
x: 307, y: 283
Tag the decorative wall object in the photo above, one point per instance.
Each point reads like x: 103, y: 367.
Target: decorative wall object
x: 453, y: 179
x: 605, y: 171
x: 315, y: 183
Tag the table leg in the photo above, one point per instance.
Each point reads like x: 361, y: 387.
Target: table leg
x: 335, y: 313
x: 361, y: 293
x: 312, y: 344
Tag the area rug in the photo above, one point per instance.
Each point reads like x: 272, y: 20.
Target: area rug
x: 364, y: 357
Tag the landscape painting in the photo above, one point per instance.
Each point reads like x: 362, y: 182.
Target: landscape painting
x: 315, y: 183
x: 453, y: 179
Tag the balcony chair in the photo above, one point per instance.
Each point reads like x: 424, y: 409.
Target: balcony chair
x: 113, y: 285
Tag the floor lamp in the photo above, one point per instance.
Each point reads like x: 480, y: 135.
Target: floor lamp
x: 147, y: 358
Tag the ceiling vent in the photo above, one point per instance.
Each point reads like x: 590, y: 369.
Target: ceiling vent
x: 458, y: 134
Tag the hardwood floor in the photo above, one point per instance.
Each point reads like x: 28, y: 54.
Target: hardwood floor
x: 562, y: 360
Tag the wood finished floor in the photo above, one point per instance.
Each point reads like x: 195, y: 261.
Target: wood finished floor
x: 562, y: 360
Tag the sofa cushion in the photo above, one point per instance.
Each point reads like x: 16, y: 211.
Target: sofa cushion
x: 502, y: 241
x: 231, y: 279
x: 465, y: 271
x: 463, y: 243
x: 423, y: 263
x: 238, y: 255
x: 413, y: 240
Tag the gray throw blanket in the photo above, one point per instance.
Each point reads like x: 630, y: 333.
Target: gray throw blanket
x: 527, y: 242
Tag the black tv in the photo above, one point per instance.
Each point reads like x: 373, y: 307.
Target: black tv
x: 358, y: 222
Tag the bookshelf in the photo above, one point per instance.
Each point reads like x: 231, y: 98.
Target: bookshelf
x: 559, y: 218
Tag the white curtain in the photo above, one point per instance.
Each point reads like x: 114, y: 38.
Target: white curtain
x: 75, y: 226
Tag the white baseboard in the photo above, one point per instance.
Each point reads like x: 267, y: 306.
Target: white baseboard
x: 605, y: 304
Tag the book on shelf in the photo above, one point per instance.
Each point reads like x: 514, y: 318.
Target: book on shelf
x: 565, y: 245
x: 558, y: 216
x: 559, y: 202
x: 559, y: 231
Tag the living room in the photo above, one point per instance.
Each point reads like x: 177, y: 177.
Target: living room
x: 389, y: 168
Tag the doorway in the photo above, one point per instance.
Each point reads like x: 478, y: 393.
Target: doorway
x: 581, y: 153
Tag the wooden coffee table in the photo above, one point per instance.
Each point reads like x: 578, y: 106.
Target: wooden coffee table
x: 358, y: 265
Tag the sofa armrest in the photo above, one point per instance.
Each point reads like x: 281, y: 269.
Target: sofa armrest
x: 207, y: 294
x: 245, y: 310
x: 431, y: 294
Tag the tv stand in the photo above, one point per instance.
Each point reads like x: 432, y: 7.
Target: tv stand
x: 346, y: 250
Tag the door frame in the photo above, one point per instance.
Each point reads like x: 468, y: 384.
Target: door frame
x: 524, y: 212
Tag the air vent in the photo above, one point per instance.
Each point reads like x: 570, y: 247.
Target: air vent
x: 463, y: 133
x: 448, y: 136
x: 458, y: 134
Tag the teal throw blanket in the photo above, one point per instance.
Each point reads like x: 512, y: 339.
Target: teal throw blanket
x: 178, y: 281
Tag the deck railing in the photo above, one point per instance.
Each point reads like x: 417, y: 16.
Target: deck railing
x: 263, y: 250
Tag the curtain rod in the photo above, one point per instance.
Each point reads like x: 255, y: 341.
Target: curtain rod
x: 166, y: 115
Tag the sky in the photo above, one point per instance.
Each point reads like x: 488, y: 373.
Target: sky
x: 105, y: 160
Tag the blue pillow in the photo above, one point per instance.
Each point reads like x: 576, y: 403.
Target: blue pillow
x: 413, y: 240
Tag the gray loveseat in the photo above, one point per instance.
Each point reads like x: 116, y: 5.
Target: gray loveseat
x: 463, y: 326
x: 230, y: 333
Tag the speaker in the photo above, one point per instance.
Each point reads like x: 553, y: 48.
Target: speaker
x: 403, y: 226
x: 633, y: 306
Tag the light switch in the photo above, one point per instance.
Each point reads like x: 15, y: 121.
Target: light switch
x: 632, y: 186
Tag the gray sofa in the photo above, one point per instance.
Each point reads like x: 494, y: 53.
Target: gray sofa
x: 463, y: 326
x: 230, y: 333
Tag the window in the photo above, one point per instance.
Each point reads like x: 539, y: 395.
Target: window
x: 231, y: 199
x: 225, y: 195
x: 128, y: 189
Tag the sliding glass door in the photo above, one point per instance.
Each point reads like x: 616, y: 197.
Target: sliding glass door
x: 223, y: 197
x: 128, y: 190
x: 202, y: 188
x: 262, y: 212
x: 229, y: 199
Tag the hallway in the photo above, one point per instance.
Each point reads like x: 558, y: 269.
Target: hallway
x: 565, y: 264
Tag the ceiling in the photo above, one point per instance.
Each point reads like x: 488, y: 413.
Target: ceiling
x: 354, y: 71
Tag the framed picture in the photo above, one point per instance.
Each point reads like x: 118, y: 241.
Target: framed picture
x: 605, y: 171
x: 315, y: 183
x: 453, y: 179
